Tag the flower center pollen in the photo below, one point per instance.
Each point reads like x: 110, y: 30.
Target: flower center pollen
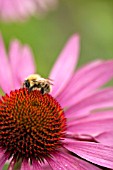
x: 32, y: 125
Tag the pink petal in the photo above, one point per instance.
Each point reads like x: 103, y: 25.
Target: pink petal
x: 19, y: 56
x: 100, y: 115
x: 106, y: 138
x: 94, y: 124
x: 5, y: 71
x: 85, y: 81
x: 65, y: 65
x: 99, y: 100
x: 93, y: 152
x: 96, y: 115
x: 91, y: 127
x: 65, y: 161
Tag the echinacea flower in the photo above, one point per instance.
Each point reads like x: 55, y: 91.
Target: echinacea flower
x: 20, y: 10
x: 69, y: 129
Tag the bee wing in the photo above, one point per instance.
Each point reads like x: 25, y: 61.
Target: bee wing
x: 50, y: 81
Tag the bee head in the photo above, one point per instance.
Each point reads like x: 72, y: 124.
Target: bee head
x: 26, y: 83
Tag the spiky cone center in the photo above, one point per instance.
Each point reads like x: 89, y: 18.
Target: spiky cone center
x: 32, y: 125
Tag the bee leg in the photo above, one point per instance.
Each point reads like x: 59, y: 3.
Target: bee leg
x: 42, y: 90
x: 29, y: 90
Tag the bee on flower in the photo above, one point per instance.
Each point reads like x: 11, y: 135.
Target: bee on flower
x: 36, y: 82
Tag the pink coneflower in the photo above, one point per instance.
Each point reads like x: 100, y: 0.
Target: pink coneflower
x: 19, y: 10
x: 69, y: 129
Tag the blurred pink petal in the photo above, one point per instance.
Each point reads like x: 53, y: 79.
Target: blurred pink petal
x: 65, y: 65
x: 94, y: 152
x: 14, y: 58
x: 36, y: 165
x: 6, y: 81
x: 14, y: 66
x: 18, y: 57
x: 16, y: 10
x: 20, y: 10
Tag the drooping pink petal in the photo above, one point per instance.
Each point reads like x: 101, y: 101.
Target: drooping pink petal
x: 12, y: 164
x: 65, y: 65
x: 106, y: 138
x: 101, y: 99
x: 34, y: 166
x: 25, y: 166
x: 37, y: 166
x: 6, y: 82
x: 65, y: 161
x: 22, y: 63
x: 85, y: 81
x: 3, y: 159
x: 93, y: 152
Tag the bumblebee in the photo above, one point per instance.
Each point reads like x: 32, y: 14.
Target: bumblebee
x: 36, y: 82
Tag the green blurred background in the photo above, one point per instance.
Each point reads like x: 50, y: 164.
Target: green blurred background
x: 92, y: 19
